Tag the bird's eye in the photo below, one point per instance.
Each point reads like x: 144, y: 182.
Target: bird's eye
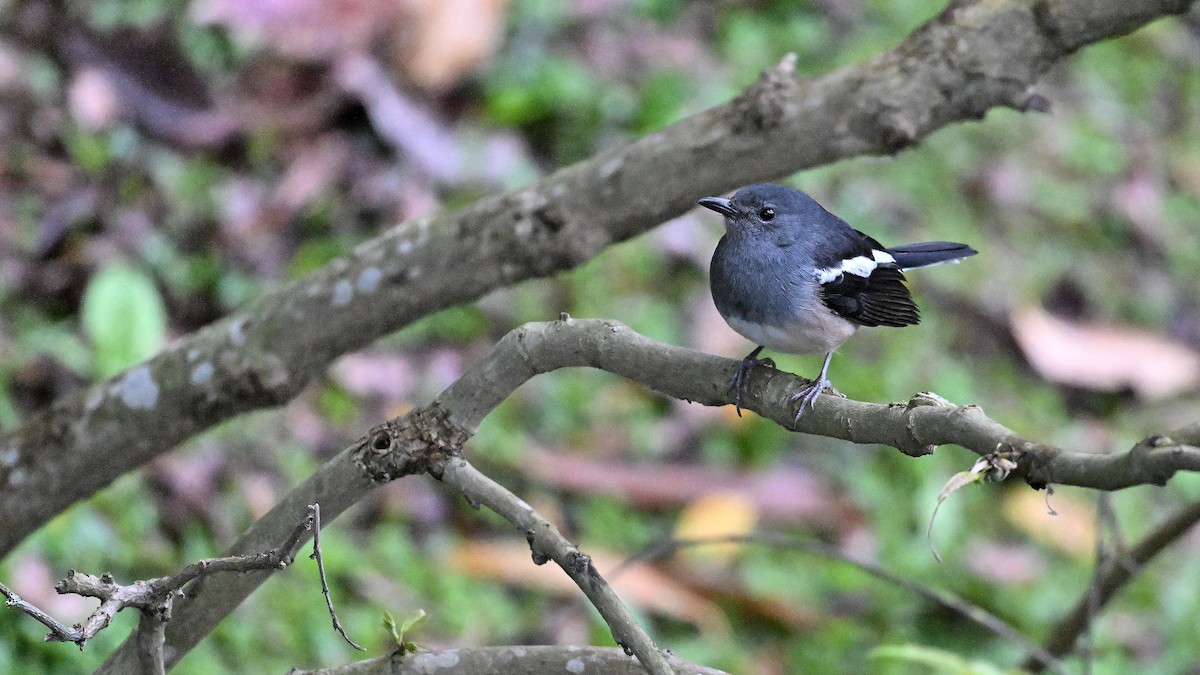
x: 766, y: 213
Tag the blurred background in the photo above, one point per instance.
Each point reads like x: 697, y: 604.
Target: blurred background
x: 163, y: 162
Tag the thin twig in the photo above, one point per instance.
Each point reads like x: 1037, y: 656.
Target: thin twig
x: 154, y: 597
x: 547, y: 543
x: 276, y: 558
x: 949, y: 600
x: 60, y: 631
x: 1111, y: 578
x: 1106, y: 525
x: 315, y: 509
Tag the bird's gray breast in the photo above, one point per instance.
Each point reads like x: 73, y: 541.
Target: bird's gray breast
x: 756, y: 281
x: 772, y: 299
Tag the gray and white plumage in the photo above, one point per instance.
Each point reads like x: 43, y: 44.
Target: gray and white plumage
x: 792, y: 277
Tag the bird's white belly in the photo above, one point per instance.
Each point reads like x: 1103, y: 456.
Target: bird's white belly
x: 822, y: 332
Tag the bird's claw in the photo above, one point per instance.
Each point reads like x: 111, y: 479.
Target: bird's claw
x: 741, y: 378
x: 808, y: 396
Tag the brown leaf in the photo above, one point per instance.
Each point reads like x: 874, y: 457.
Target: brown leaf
x: 779, y: 493
x: 1105, y: 357
x: 724, y: 513
x: 993, y: 467
x: 1007, y: 564
x: 641, y: 584
x: 1072, y: 528
x: 317, y: 30
x: 728, y: 589
x: 449, y: 39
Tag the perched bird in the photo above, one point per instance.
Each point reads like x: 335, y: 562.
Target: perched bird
x: 790, y: 276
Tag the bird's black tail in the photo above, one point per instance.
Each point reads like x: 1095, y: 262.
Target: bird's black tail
x: 913, y: 256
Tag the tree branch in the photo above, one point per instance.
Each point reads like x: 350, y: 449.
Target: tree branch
x: 975, y: 55
x: 969, y: 610
x: 59, y: 631
x: 546, y: 542
x: 154, y: 597
x: 533, y: 660
x: 430, y: 441
x: 426, y: 438
x: 1111, y: 578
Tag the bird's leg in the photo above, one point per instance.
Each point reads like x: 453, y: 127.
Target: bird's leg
x: 741, y: 376
x: 809, y: 394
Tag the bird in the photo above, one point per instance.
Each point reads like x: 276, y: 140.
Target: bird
x: 792, y: 277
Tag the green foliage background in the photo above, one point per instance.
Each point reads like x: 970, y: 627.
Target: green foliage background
x: 1034, y: 193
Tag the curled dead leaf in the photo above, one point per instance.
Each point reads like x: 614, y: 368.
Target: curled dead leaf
x: 993, y: 467
x: 957, y: 482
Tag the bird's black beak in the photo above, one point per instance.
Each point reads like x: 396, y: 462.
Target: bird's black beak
x: 718, y: 204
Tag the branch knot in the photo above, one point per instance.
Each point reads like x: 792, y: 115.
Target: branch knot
x: 419, y: 442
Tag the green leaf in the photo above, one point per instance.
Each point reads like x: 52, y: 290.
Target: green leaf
x: 124, y: 317
x: 933, y: 660
x: 389, y: 623
x: 415, y: 619
x: 399, y: 635
x: 90, y: 151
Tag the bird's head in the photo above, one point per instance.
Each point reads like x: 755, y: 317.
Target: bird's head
x: 766, y: 208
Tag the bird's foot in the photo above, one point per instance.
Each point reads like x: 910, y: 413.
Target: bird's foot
x: 809, y: 394
x: 741, y: 377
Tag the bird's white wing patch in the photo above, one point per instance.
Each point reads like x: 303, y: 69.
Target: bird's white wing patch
x: 859, y: 266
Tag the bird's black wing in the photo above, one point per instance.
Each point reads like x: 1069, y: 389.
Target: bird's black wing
x: 861, y: 282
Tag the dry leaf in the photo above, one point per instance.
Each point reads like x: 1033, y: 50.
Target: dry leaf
x: 780, y: 493
x: 641, y: 584
x: 449, y: 39
x: 305, y: 29
x: 957, y: 482
x: 1072, y: 530
x: 1006, y: 564
x: 721, y: 514
x: 1105, y: 357
x: 729, y: 590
